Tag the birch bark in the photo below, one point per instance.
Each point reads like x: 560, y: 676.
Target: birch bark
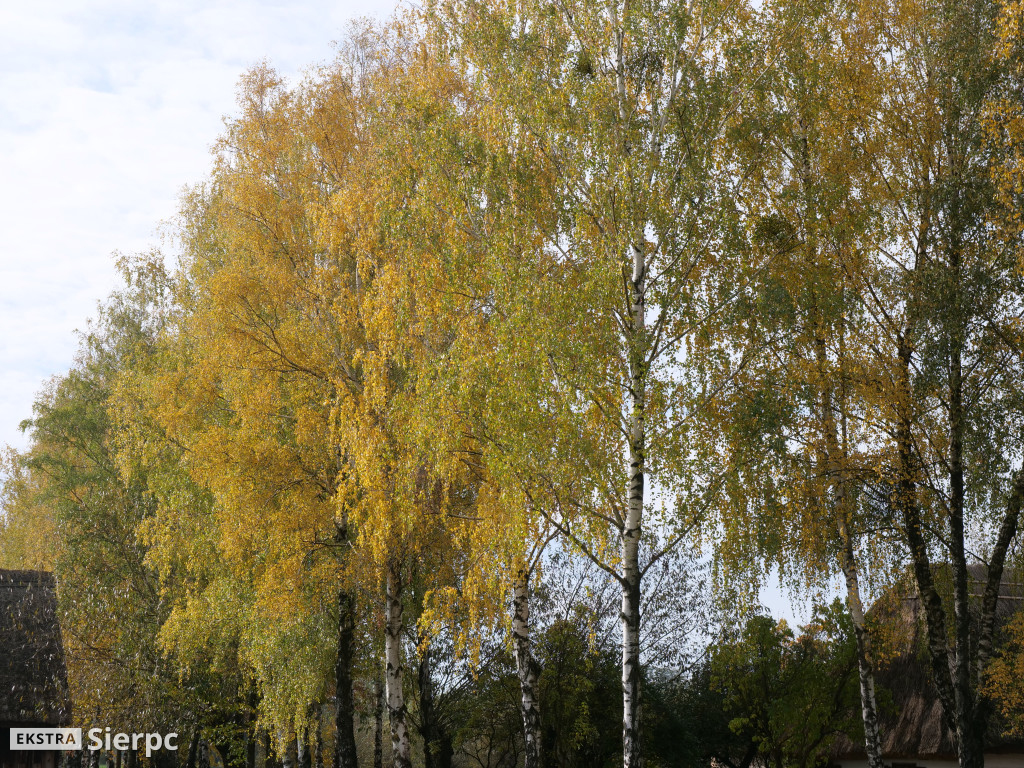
x: 401, y: 750
x: 855, y: 606
x: 865, y: 657
x: 834, y: 460
x: 345, y: 740
x: 526, y: 667
x: 851, y: 572
x: 630, y: 534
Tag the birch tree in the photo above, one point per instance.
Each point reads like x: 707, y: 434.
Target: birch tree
x: 265, y: 374
x: 802, y: 399
x: 610, y: 117
x: 438, y: 330
x: 944, y: 296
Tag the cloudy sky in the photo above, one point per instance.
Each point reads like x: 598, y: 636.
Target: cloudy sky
x: 107, y: 109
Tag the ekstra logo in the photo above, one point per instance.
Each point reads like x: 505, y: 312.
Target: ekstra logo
x: 45, y: 738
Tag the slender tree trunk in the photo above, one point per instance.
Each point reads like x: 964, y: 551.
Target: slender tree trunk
x: 630, y: 620
x: 437, y: 743
x: 526, y: 667
x: 345, y: 711
x: 835, y: 468
x: 269, y: 760
x: 905, y: 500
x: 865, y: 658
x: 630, y: 534
x: 990, y: 598
x: 636, y: 344
x: 378, y: 723
x: 193, y: 749
x: 304, y: 745
x: 401, y: 750
x: 968, y: 739
x: 842, y: 513
x: 862, y: 637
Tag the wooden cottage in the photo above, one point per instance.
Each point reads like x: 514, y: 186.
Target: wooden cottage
x: 914, y: 734
x: 33, y: 678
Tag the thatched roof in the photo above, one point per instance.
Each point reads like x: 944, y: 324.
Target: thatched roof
x: 911, y: 723
x: 33, y: 679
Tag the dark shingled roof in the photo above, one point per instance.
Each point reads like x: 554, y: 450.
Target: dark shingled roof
x: 33, y: 679
x: 914, y: 727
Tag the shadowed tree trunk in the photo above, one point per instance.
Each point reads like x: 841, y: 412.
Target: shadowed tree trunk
x: 250, y: 750
x: 306, y: 744
x: 291, y: 748
x: 345, y: 710
x: 437, y: 743
x: 193, y: 749
x: 269, y: 761
x: 318, y: 737
x: 251, y: 736
x: 378, y: 723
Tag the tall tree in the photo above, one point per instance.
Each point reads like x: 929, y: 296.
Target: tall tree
x: 803, y: 455
x: 290, y: 394
x: 259, y: 371
x: 943, y: 293
x: 612, y: 256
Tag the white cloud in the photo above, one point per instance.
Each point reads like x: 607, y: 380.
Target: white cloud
x: 107, y: 109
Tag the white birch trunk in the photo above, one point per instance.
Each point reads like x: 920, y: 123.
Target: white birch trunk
x: 526, y: 666
x: 833, y: 461
x: 848, y: 562
x: 401, y: 750
x: 865, y: 660
x: 630, y: 535
x: 630, y: 620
